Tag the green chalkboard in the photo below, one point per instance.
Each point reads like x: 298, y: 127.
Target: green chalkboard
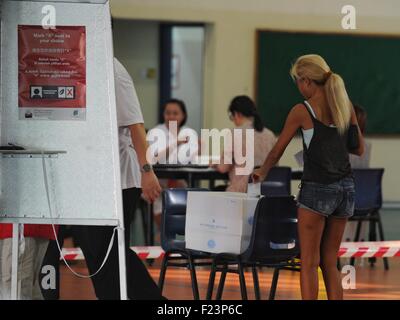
x: 369, y: 65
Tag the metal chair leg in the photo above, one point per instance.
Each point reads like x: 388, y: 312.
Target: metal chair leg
x: 221, y: 283
x: 356, y: 238
x: 382, y: 238
x: 143, y: 210
x: 338, y: 264
x: 195, y: 287
x: 163, y: 271
x: 242, y: 280
x: 256, y: 283
x: 211, y: 280
x: 274, y: 284
x: 372, y: 236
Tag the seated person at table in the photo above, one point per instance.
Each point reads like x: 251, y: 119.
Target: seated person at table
x: 243, y: 113
x: 362, y: 161
x: 172, y: 143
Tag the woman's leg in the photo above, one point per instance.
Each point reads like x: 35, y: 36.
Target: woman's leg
x: 330, y: 246
x: 310, y: 227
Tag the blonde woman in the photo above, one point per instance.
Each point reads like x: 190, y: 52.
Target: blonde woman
x: 326, y: 200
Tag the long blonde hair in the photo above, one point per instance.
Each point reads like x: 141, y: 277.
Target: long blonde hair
x: 314, y: 67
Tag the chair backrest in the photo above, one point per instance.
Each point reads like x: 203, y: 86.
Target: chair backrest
x: 277, y: 183
x: 368, y: 185
x: 274, y: 236
x: 173, y: 217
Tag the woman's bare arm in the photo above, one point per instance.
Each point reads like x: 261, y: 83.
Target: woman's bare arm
x: 361, y: 146
x: 293, y: 122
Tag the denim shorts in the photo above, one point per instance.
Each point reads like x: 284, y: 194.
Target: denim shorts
x: 335, y: 199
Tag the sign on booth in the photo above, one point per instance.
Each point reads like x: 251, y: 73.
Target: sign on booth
x: 52, y: 73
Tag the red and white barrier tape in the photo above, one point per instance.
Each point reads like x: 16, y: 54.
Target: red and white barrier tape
x: 384, y: 249
x: 143, y: 253
x: 378, y: 249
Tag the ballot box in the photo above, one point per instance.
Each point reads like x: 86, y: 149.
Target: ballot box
x: 219, y: 221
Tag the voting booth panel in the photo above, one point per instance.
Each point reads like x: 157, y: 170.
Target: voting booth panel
x: 58, y: 94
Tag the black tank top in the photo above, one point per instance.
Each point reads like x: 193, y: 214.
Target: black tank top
x: 326, y: 160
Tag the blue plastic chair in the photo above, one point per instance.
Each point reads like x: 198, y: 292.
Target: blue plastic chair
x: 277, y: 183
x: 368, y: 202
x: 273, y: 243
x: 172, y: 237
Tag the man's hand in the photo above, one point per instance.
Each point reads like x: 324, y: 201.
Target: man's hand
x: 150, y: 186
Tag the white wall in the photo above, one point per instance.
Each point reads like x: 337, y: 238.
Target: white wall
x: 365, y: 8
x: 231, y: 50
x: 188, y: 51
x: 136, y: 45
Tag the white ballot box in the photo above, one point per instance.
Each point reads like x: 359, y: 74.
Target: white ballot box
x: 219, y: 221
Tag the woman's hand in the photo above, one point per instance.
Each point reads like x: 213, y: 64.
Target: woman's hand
x: 258, y: 175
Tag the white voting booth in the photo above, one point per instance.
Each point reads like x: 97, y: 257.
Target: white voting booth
x: 69, y: 171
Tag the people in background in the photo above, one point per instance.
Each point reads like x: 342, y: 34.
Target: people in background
x: 243, y: 113
x: 363, y: 160
x: 179, y: 139
x: 33, y: 246
x: 326, y: 198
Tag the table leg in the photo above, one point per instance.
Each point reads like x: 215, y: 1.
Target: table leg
x: 14, y: 263
x: 212, y: 184
x: 150, y: 224
x: 190, y: 180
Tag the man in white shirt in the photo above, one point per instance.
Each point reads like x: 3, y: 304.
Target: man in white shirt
x: 137, y: 177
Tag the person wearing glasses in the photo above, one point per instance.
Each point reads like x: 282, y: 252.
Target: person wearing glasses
x: 243, y: 113
x: 330, y: 131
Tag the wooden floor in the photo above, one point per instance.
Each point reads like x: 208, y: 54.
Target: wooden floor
x: 371, y: 283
